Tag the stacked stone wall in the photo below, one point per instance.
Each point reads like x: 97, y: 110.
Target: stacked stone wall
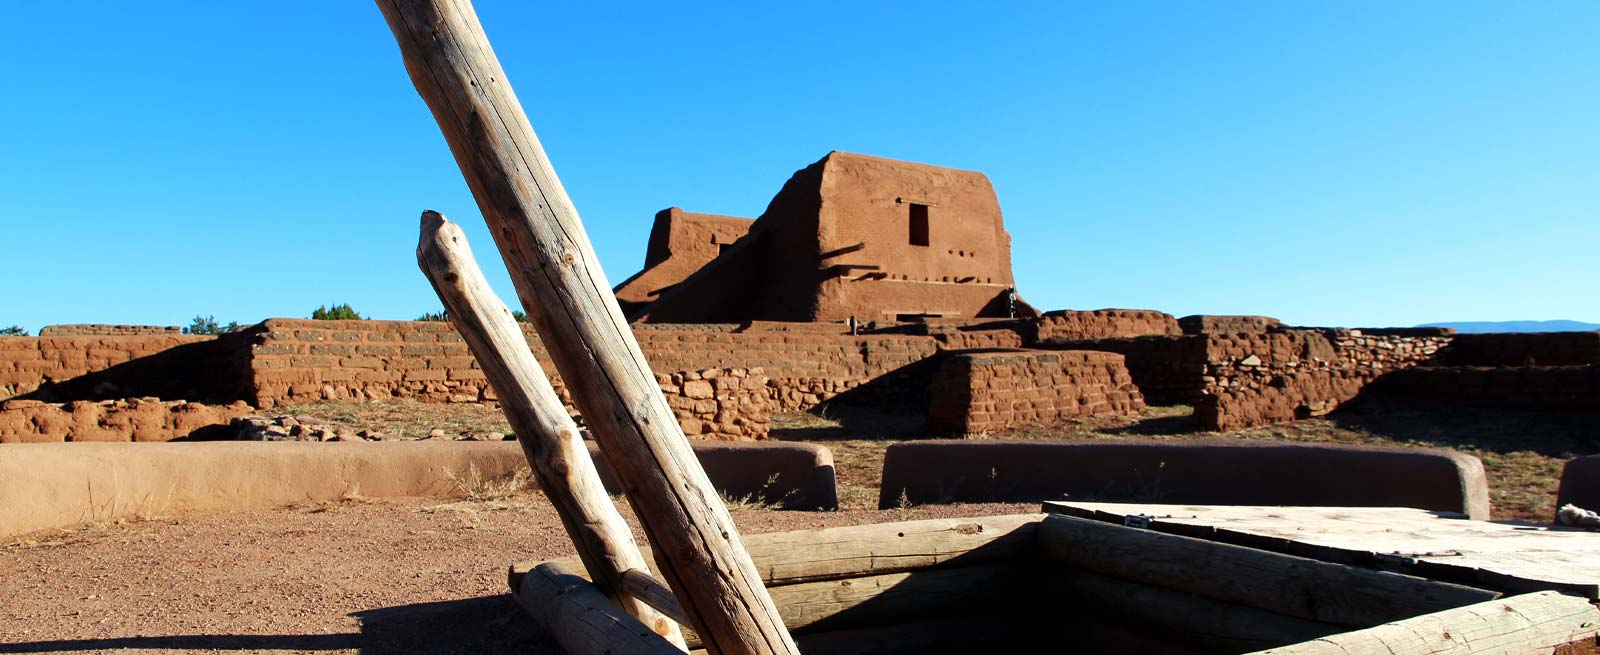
x: 1068, y: 325
x: 977, y: 392
x: 728, y: 403
x: 1259, y: 379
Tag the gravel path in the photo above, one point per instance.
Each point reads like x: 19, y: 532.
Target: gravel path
x: 381, y: 576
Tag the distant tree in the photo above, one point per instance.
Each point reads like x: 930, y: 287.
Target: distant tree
x: 435, y: 316
x: 336, y: 313
x: 521, y: 316
x: 208, y: 325
x: 13, y: 331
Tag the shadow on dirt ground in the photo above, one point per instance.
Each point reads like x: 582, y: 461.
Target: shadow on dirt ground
x: 469, y: 625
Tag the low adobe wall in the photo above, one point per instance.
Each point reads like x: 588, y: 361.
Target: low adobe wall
x: 96, y: 329
x: 45, y: 486
x: 1523, y: 349
x: 1580, y: 483
x: 1071, y: 325
x: 136, y: 419
x: 1216, y: 472
x: 1168, y: 370
x: 786, y: 475
x: 980, y: 391
x: 1533, y: 387
x: 1209, y: 324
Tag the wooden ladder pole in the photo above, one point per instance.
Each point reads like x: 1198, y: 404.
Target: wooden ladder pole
x: 548, y: 435
x: 559, y: 281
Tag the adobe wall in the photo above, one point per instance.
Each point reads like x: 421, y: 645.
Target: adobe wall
x: 167, y: 365
x: 99, y: 330
x: 1533, y: 387
x: 680, y: 243
x: 1210, y: 324
x: 1259, y: 379
x: 976, y: 392
x: 1216, y: 472
x: 1531, y: 349
x: 300, y: 361
x: 1070, y: 325
x: 1168, y: 370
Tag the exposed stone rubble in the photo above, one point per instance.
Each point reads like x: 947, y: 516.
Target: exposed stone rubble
x: 133, y: 419
x: 301, y: 428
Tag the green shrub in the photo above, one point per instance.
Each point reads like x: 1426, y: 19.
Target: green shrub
x: 208, y: 325
x: 13, y: 331
x: 521, y: 316
x: 435, y: 316
x: 342, y: 312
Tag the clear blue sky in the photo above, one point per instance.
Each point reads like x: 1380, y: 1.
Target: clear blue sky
x: 1328, y: 163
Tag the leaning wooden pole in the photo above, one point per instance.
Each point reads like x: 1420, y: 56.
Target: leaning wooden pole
x: 559, y: 281
x: 548, y: 435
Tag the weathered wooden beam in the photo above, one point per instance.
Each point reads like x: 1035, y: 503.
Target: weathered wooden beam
x: 1530, y: 624
x: 548, y: 436
x: 648, y: 590
x: 1219, y: 626
x: 785, y: 558
x: 1318, y: 591
x: 559, y: 281
x: 582, y: 619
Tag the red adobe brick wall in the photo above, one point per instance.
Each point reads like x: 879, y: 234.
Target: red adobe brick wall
x: 29, y: 363
x: 976, y: 392
x: 98, y: 330
x: 1210, y: 324
x: 1069, y: 325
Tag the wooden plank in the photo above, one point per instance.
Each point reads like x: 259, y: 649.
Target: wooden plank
x: 1520, y: 625
x: 828, y: 553
x: 549, y: 438
x: 1296, y: 586
x: 559, y: 281
x: 582, y: 619
x: 1181, y: 617
x: 1508, y: 556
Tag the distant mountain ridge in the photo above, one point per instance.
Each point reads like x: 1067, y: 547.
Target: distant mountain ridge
x: 1479, y: 327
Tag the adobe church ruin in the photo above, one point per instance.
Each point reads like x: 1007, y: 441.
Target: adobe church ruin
x: 851, y: 236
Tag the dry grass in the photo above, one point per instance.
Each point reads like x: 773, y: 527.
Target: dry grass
x: 404, y: 417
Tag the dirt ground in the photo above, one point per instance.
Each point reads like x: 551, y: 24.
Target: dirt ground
x: 428, y: 575
x: 379, y: 576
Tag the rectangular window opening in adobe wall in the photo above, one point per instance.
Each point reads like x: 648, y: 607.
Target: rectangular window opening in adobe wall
x: 919, y: 224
